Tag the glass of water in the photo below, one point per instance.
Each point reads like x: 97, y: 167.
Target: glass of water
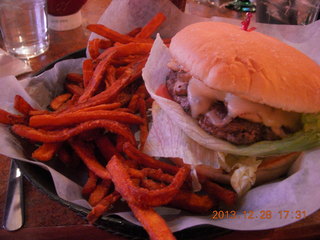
x: 24, y: 27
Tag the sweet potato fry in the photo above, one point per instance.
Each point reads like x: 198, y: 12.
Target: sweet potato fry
x: 69, y: 119
x: 152, y: 222
x: 222, y: 194
x: 99, y: 192
x: 141, y: 196
x: 185, y: 200
x: 133, y: 104
x: 10, y: 119
x: 97, y: 76
x: 65, y: 134
x: 58, y: 101
x: 90, y: 184
x: 74, y: 89
x: 74, y: 77
x: 38, y: 112
x: 87, y: 70
x: 104, y: 44
x: 110, y: 106
x: 144, y: 131
x: 113, y: 35
x: 146, y: 160
x: 108, y: 55
x: 134, y: 32
x: 151, y: 26
x: 128, y: 49
x: 192, y: 202
x: 129, y: 76
x: 126, y: 60
x: 106, y: 147
x: 110, y: 76
x: 93, y: 48
x: 85, y: 152
x: 46, y: 151
x: 22, y: 106
x: 102, y: 206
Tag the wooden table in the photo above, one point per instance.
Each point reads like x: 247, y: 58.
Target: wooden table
x: 47, y: 219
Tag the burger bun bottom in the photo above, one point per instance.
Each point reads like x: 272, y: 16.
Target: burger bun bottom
x: 270, y: 169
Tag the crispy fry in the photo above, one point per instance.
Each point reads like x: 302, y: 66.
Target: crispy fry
x: 142, y: 196
x: 222, y: 194
x: 93, y: 48
x: 114, y: 52
x: 38, y: 112
x: 9, y: 118
x: 103, y: 43
x: 193, y: 202
x: 85, y: 152
x: 102, y: 206
x: 22, y: 106
x: 144, y: 131
x: 134, y: 32
x: 58, y: 101
x: 146, y: 160
x: 74, y: 77
x: 142, y: 91
x: 123, y: 61
x: 113, y: 35
x: 65, y: 134
x: 128, y: 49
x: 97, y: 76
x: 111, y: 76
x: 152, y: 222
x: 185, y: 200
x: 110, y: 106
x: 69, y: 119
x: 90, y: 184
x: 106, y: 147
x: 129, y: 76
x: 133, y: 104
x: 151, y: 26
x: 74, y: 89
x: 46, y: 151
x: 152, y: 185
x: 99, y: 192
x: 87, y: 70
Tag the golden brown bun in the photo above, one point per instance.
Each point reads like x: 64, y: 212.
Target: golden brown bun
x: 250, y: 65
x: 270, y: 169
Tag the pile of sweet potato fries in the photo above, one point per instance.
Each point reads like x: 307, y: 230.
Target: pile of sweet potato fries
x: 96, y: 120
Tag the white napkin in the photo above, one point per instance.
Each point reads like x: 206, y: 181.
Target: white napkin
x: 10, y: 65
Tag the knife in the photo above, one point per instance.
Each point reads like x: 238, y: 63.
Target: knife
x: 14, y: 209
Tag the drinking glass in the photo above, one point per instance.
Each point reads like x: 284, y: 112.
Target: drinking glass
x: 24, y: 27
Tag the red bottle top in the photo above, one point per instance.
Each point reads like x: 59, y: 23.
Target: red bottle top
x: 64, y: 7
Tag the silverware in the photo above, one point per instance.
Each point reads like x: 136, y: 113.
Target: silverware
x: 14, y: 209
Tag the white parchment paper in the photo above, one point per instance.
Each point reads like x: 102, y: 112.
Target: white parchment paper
x: 299, y: 192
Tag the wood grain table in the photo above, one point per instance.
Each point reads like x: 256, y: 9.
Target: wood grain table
x: 47, y: 219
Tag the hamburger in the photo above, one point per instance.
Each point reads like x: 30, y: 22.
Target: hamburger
x: 250, y: 95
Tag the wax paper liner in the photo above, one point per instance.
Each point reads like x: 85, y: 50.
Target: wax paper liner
x: 299, y: 192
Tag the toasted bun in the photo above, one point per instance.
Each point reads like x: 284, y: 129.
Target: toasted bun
x: 271, y: 168
x: 250, y: 65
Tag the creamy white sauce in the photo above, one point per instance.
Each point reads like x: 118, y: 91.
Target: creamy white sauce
x: 202, y: 97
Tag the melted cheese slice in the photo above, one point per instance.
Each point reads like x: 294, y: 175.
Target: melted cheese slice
x: 202, y: 97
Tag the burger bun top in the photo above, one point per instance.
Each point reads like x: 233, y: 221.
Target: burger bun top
x: 250, y: 65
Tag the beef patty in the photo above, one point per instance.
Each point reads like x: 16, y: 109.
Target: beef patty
x: 238, y: 131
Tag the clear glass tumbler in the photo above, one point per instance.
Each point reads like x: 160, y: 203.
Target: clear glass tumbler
x: 24, y: 27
